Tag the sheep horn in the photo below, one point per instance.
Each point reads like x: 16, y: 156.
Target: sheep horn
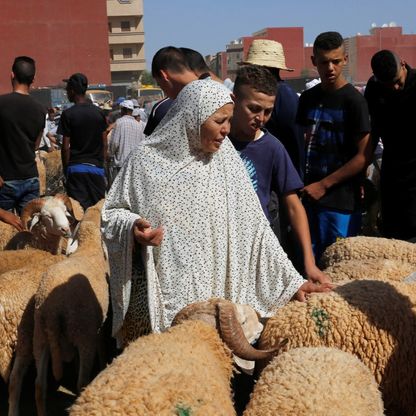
x: 30, y: 208
x: 233, y: 335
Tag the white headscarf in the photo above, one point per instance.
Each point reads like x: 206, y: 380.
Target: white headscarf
x: 217, y: 241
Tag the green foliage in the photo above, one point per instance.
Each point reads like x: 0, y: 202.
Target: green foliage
x: 147, y: 79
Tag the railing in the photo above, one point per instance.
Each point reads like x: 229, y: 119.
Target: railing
x: 127, y: 33
x: 127, y: 61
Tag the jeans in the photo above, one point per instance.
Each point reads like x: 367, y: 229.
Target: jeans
x: 17, y: 193
x: 327, y: 226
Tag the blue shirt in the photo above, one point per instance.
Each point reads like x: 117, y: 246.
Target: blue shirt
x: 269, y: 167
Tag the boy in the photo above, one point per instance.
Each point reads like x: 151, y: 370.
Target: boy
x: 338, y: 147
x: 268, y: 163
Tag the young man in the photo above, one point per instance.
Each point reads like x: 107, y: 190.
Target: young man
x: 391, y: 96
x: 267, y: 162
x: 172, y: 73
x: 337, y: 124
x: 84, y: 146
x: 22, y: 120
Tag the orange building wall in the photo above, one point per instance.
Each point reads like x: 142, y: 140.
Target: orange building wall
x: 63, y: 37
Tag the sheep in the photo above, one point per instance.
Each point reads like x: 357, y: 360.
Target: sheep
x: 374, y: 320
x: 53, y: 172
x: 17, y: 288
x: 71, y: 305
x: 315, y: 382
x: 46, y: 223
x: 185, y: 370
x: 362, y: 248
x: 379, y: 269
x: 238, y: 326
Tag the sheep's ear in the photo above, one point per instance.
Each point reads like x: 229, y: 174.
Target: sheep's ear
x: 34, y: 221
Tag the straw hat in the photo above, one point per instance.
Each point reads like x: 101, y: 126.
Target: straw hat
x: 266, y: 52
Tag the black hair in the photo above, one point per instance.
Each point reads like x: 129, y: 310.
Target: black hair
x: 170, y: 58
x: 385, y: 65
x: 327, y: 41
x: 195, y: 60
x: 24, y: 69
x: 257, y: 77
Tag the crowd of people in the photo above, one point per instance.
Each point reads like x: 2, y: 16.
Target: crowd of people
x: 221, y: 193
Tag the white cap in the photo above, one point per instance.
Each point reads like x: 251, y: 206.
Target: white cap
x: 135, y: 102
x: 127, y: 104
x: 136, y: 112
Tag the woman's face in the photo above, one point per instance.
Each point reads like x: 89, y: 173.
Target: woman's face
x: 216, y: 128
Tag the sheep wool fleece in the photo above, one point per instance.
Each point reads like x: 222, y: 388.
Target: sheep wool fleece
x: 374, y: 320
x: 184, y: 371
x: 315, y: 382
x: 217, y: 241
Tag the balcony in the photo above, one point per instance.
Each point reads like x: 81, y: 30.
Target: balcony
x: 120, y: 38
x: 127, y: 65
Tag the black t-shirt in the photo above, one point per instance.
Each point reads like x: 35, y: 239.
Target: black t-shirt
x: 22, y: 119
x: 333, y: 120
x: 393, y: 119
x: 84, y: 124
x: 159, y: 111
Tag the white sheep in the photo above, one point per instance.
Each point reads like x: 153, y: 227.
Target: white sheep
x: 315, y: 382
x: 374, y: 320
x: 46, y: 221
x: 71, y: 306
x: 184, y: 371
x: 362, y: 248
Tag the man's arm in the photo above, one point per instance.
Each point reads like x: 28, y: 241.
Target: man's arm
x: 65, y: 152
x: 353, y: 167
x: 105, y: 145
x: 10, y: 218
x: 38, y: 140
x: 299, y: 222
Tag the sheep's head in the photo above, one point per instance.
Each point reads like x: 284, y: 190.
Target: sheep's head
x: 52, y: 215
x: 249, y: 321
x: 238, y: 325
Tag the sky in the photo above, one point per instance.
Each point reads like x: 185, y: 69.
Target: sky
x: 208, y: 26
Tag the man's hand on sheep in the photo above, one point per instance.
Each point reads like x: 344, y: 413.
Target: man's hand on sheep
x: 146, y: 235
x: 309, y: 287
x: 314, y: 191
x: 1, y: 181
x: 10, y: 218
x: 315, y: 275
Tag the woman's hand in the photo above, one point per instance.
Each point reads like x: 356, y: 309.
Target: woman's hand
x: 146, y: 235
x: 309, y: 287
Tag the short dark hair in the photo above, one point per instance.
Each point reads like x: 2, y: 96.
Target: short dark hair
x: 170, y: 58
x: 24, y: 69
x: 257, y: 77
x: 195, y: 60
x: 385, y: 65
x: 327, y: 41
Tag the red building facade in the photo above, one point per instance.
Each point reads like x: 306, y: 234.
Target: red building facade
x: 63, y: 37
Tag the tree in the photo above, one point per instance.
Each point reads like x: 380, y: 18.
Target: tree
x: 147, y: 79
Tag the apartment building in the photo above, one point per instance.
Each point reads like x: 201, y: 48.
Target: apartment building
x: 126, y: 40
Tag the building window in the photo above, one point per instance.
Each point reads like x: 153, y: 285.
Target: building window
x: 127, y: 53
x: 125, y: 26
x: 110, y: 27
x: 111, y: 55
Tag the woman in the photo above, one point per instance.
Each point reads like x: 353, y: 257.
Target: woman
x: 215, y: 242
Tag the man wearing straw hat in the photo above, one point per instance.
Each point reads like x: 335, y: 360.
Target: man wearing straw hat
x: 282, y: 123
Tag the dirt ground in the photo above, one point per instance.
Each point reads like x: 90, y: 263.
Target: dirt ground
x: 59, y: 399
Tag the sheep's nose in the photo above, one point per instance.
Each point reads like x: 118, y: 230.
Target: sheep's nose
x: 66, y: 232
